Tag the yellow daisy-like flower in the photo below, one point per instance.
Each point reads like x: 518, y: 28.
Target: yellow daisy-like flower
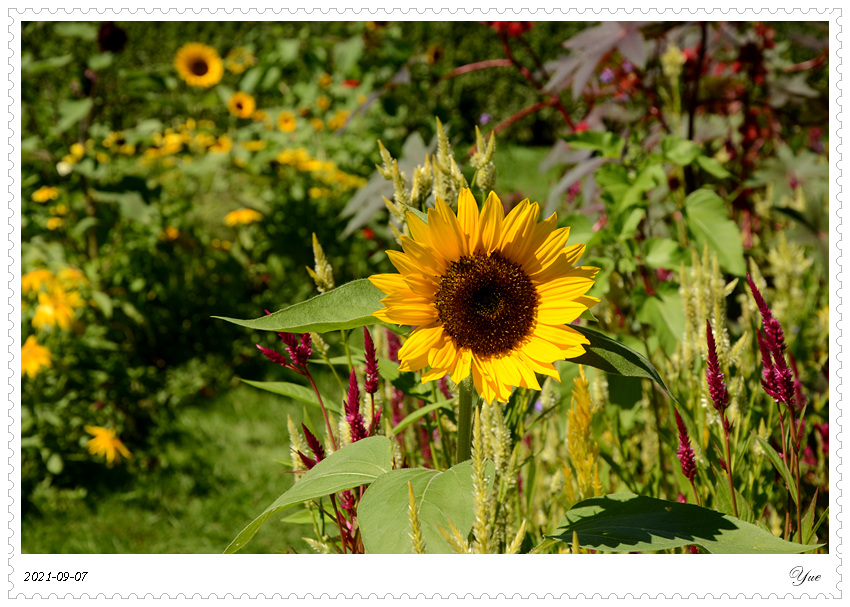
x: 239, y: 59
x: 338, y: 120
x: 488, y: 294
x: 35, y: 280
x: 199, y: 65
x: 242, y: 217
x: 222, y: 145
x: 241, y: 105
x: 56, y: 308
x: 45, y: 194
x: 34, y: 357
x: 286, y: 122
x: 105, y: 443
x: 70, y: 278
x: 323, y: 102
x: 54, y: 223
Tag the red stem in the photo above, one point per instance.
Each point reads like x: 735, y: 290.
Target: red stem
x: 322, y: 405
x: 478, y: 65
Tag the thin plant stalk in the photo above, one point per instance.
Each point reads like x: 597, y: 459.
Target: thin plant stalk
x: 729, y: 467
x: 322, y: 405
x: 467, y: 399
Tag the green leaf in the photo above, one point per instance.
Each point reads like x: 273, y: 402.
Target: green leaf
x: 780, y: 466
x: 663, y: 253
x: 45, y: 65
x: 664, y: 313
x: 104, y: 302
x: 713, y: 167
x: 421, y: 412
x: 354, y: 465
x: 131, y: 205
x: 613, y: 357
x: 680, y: 151
x: 405, y: 381
x: 101, y: 61
x: 346, y: 307
x: 708, y: 221
x: 294, y: 391
x: 624, y: 522
x: 649, y: 178
x: 609, y: 145
x: 250, y: 79
x: 71, y: 112
x: 70, y: 29
x: 440, y: 496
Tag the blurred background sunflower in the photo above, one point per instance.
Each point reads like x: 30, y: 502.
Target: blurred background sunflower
x: 199, y: 64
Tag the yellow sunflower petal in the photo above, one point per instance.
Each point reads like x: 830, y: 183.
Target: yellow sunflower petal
x: 388, y: 283
x: 420, y: 342
x: 518, y: 230
x: 467, y: 217
x: 462, y: 367
x: 429, y: 259
x: 491, y: 219
x: 418, y: 229
x: 574, y: 253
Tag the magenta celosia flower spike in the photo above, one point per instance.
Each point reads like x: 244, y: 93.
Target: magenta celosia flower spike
x: 685, y: 452
x: 371, y: 385
x: 714, y: 377
x: 352, y: 410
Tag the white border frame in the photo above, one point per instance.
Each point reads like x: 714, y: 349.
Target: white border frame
x: 383, y: 576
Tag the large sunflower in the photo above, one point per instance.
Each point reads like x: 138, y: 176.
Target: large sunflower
x: 199, y: 64
x: 488, y: 294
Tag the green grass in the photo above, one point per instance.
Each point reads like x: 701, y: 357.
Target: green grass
x: 214, y: 479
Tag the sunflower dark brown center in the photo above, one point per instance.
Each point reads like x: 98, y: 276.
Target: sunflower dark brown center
x: 487, y: 303
x: 199, y: 67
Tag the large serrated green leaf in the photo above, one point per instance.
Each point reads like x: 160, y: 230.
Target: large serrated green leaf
x: 613, y: 357
x: 441, y: 497
x: 624, y: 522
x: 354, y: 465
x: 347, y: 307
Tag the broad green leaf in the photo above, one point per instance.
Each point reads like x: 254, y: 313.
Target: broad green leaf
x: 663, y: 253
x: 421, y: 412
x: 405, y: 381
x: 649, y: 178
x: 664, y: 313
x: 295, y: 391
x: 250, y: 79
x: 71, y: 112
x: 346, y: 307
x: 71, y: 29
x: 130, y: 204
x: 708, y: 221
x: 713, y: 167
x: 354, y: 465
x: 32, y: 68
x: 104, y: 302
x: 440, y: 496
x: 624, y: 522
x: 613, y: 357
x: 679, y: 151
x: 780, y: 466
x: 609, y: 145
x: 101, y: 61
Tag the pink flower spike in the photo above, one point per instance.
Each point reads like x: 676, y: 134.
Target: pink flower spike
x: 314, y: 444
x: 275, y: 357
x: 716, y: 385
x: 685, y: 452
x: 371, y: 363
x: 352, y: 410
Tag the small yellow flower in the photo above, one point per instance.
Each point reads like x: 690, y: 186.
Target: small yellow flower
x: 323, y: 102
x: 239, y: 59
x: 35, y: 280
x: 226, y: 245
x: 60, y: 209
x: 34, y: 357
x: 338, y: 120
x: 325, y: 80
x: 259, y: 116
x: 70, y: 278
x: 205, y: 140
x: 255, y: 145
x: 241, y: 105
x: 169, y: 234
x: 286, y: 122
x: 199, y: 65
x: 105, y: 443
x: 222, y: 145
x: 78, y: 150
x: 45, y: 193
x: 242, y: 216
x: 127, y: 149
x: 56, y: 308
x: 54, y: 223
x: 102, y: 158
x: 317, y: 124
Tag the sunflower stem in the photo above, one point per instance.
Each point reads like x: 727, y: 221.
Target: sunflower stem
x: 467, y: 398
